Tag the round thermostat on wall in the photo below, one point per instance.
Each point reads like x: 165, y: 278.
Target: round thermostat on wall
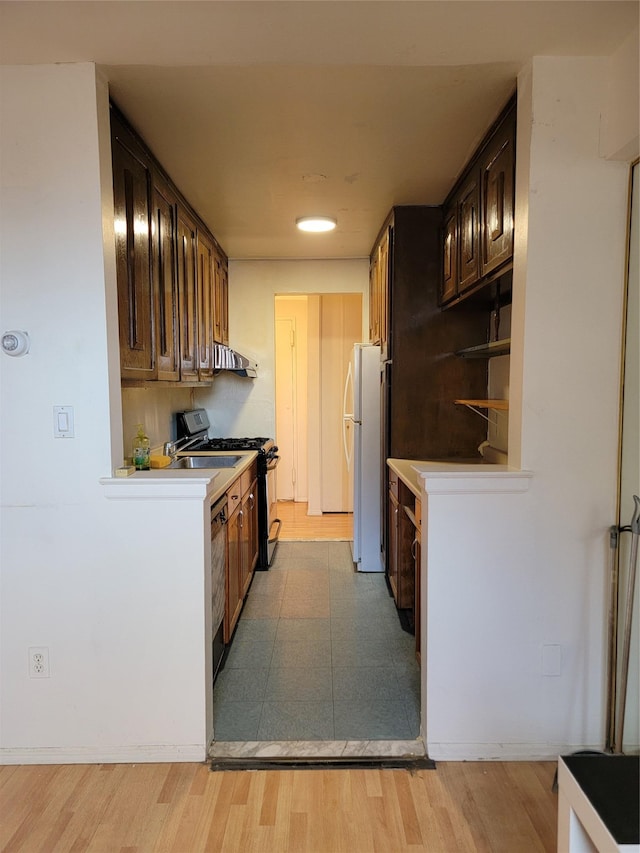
x: 15, y: 343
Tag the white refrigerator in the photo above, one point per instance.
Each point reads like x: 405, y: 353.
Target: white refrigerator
x: 362, y: 447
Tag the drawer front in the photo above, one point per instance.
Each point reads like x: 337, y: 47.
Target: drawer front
x: 393, y: 483
x: 234, y: 493
x: 247, y: 478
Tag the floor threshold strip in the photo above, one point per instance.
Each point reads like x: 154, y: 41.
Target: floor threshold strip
x: 386, y: 762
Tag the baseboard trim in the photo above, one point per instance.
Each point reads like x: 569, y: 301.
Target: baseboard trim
x: 139, y: 754
x: 504, y: 751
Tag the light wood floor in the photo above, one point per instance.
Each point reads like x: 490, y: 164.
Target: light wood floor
x: 185, y: 808
x: 297, y: 525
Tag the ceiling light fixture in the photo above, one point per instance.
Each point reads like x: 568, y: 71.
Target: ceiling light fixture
x: 316, y: 224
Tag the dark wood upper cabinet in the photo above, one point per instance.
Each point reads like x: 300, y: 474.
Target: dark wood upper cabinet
x: 450, y: 254
x: 172, y: 275
x: 131, y: 190
x: 220, y: 300
x: 204, y: 256
x: 163, y: 244
x: 498, y: 178
x: 379, y: 295
x: 469, y: 233
x: 478, y: 222
x: 187, y: 297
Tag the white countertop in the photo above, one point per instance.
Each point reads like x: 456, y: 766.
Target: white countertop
x: 179, y: 482
x: 413, y: 472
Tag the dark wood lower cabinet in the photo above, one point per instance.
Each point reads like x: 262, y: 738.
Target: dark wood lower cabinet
x: 403, y: 556
x: 233, y: 595
x: 401, y: 567
x: 393, y: 508
x: 242, y: 545
x: 416, y: 547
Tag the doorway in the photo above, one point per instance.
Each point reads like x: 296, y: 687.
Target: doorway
x: 320, y: 660
x: 314, y: 337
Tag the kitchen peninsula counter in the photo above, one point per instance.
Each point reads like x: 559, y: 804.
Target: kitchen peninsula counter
x: 209, y: 483
x: 410, y: 471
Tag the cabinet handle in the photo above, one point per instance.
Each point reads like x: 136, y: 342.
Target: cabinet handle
x: 234, y: 497
x: 241, y: 518
x: 413, y: 548
x: 252, y: 499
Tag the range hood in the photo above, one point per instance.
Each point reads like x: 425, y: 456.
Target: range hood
x: 225, y: 358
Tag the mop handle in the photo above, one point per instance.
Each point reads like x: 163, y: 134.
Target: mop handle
x: 635, y: 521
x: 626, y: 647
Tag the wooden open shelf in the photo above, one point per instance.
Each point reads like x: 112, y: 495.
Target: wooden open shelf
x: 498, y: 405
x: 493, y: 348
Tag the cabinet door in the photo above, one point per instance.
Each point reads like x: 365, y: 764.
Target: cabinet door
x: 252, y: 520
x: 416, y: 608
x: 384, y: 294
x: 469, y: 233
x: 232, y: 586
x: 374, y: 300
x: 205, y: 306
x: 131, y: 186
x: 450, y: 255
x: 245, y: 532
x: 417, y: 544
x: 187, y: 297
x: 392, y: 544
x: 163, y: 242
x: 221, y: 301
x: 498, y: 166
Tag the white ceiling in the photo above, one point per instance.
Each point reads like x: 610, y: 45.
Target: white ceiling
x: 265, y: 111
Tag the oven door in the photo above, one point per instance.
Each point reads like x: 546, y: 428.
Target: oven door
x: 273, y: 523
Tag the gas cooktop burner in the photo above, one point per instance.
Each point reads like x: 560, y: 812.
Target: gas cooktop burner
x: 262, y: 444
x: 193, y: 427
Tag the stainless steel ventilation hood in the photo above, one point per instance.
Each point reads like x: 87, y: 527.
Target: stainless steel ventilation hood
x: 225, y: 358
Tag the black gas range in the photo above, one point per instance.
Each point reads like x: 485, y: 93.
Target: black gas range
x: 193, y: 435
x: 264, y: 446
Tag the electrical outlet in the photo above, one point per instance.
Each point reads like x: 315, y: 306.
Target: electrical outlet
x: 38, y: 662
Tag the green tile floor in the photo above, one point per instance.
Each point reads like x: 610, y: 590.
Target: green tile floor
x: 318, y: 654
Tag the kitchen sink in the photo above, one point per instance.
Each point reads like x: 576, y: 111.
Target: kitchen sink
x: 206, y: 462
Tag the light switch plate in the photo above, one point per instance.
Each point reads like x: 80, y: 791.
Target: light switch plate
x: 63, y: 426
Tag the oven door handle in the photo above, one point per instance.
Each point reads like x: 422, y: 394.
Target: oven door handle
x: 273, y: 463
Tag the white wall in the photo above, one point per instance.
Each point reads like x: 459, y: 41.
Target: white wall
x: 117, y: 601
x: 620, y: 139
x: 246, y: 407
x: 53, y: 285
x: 155, y: 407
x: 531, y: 569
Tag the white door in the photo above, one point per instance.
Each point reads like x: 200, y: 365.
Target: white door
x: 340, y: 327
x: 285, y: 407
